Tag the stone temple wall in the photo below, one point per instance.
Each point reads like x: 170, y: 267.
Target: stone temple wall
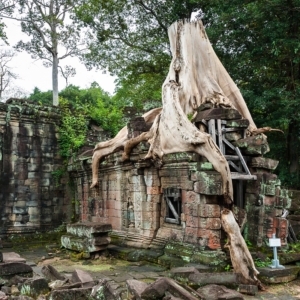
x: 31, y: 198
x: 132, y: 197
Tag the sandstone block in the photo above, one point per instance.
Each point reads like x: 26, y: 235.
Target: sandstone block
x: 68, y: 294
x: 88, y: 229
x: 265, y: 163
x: 269, y: 275
x: 209, y: 211
x: 83, y: 277
x: 214, y: 291
x: 13, y: 268
x: 208, y: 183
x: 136, y: 287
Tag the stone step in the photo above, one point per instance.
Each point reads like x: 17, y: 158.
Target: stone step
x: 269, y: 275
x: 88, y: 229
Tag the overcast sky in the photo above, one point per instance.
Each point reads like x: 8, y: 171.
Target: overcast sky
x: 32, y: 73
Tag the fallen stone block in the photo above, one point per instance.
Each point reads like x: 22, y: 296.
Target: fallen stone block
x: 56, y: 284
x: 81, y: 244
x: 51, y: 273
x: 65, y: 294
x: 15, y: 280
x: 12, y: 257
x: 83, y: 277
x: 225, y: 278
x: 182, y: 273
x: 65, y: 286
x: 12, y: 268
x: 158, y: 289
x: 104, y: 290
x: 269, y: 275
x: 34, y: 287
x: 247, y: 289
x: 136, y: 287
x: 219, y: 292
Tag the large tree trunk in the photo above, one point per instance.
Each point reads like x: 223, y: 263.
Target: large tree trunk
x: 196, y: 76
x: 55, y: 80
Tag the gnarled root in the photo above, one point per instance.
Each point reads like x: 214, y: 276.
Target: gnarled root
x: 119, y: 142
x: 130, y: 144
x: 241, y: 258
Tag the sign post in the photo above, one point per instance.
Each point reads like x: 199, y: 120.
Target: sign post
x: 274, y: 242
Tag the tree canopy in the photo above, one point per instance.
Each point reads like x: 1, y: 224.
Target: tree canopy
x: 129, y: 38
x: 105, y: 110
x: 258, y: 43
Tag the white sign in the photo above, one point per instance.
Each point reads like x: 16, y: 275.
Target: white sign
x: 274, y: 242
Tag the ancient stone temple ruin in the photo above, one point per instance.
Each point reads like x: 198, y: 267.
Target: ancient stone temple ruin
x: 149, y: 205
x: 170, y: 184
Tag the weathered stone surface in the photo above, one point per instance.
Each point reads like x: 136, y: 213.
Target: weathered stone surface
x: 225, y: 278
x: 158, y: 289
x: 8, y: 269
x: 136, y: 287
x: 233, y: 136
x: 242, y: 123
x: 248, y: 289
x: 207, y: 183
x: 83, y: 277
x: 51, y: 273
x: 80, y: 244
x: 12, y: 257
x: 253, y: 145
x: 269, y: 275
x: 70, y: 294
x: 183, y: 272
x: 218, y: 292
x: 218, y: 113
x: 265, y: 163
x: 35, y: 287
x: 104, y: 290
x: 88, y: 229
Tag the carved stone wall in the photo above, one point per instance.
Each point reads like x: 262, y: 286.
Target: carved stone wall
x: 32, y: 197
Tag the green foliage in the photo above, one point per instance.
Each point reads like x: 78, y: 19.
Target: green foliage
x: 259, y: 263
x: 57, y: 175
x: 130, y: 39
x: 73, y: 129
x: 258, y: 43
x: 92, y: 102
x: 227, y: 268
x: 42, y: 98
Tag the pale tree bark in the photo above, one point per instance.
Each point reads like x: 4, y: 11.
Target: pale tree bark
x: 196, y: 76
x: 241, y: 258
x: 55, y: 80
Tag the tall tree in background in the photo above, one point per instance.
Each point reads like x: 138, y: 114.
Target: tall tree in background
x: 130, y: 39
x: 6, y: 10
x: 258, y: 43
x: 6, y: 74
x: 52, y: 31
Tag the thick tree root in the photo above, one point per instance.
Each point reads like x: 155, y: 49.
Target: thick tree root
x: 241, y: 258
